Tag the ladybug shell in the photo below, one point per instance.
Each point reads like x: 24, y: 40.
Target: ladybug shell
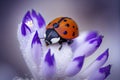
x: 65, y: 27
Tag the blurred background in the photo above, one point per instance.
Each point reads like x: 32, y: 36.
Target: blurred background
x: 100, y: 15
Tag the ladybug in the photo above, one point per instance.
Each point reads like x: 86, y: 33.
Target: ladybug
x: 61, y: 29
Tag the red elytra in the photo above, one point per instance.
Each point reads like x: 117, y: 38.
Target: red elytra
x: 65, y: 27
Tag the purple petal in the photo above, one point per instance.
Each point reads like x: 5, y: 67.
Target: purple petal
x: 36, y: 39
x: 96, y: 64
x: 106, y: 53
x: 48, y: 67
x: 36, y: 48
x: 80, y: 60
x: 75, y: 66
x: 39, y: 18
x: 91, y: 35
x: 83, y: 38
x: 99, y: 41
x: 27, y: 17
x: 100, y: 74
x: 49, y: 59
x: 88, y: 47
x: 24, y: 27
x: 105, y: 70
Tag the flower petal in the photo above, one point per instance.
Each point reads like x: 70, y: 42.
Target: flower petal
x: 40, y: 20
x: 24, y: 28
x: 106, y: 53
x: 31, y: 56
x: 27, y: 17
x: 36, y: 39
x: 91, y: 35
x: 83, y: 37
x: 98, y: 40
x: 39, y: 23
x: 105, y: 70
x: 75, y: 66
x: 36, y: 49
x: 48, y: 66
x: 96, y: 64
x: 101, y: 74
x: 89, y: 47
x: 33, y: 22
x: 62, y: 57
x: 49, y: 59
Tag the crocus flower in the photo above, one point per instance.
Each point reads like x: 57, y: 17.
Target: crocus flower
x: 50, y: 63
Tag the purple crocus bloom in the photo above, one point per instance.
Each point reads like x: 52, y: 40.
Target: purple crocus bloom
x: 50, y: 63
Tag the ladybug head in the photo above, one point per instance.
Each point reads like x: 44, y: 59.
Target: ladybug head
x: 51, y: 37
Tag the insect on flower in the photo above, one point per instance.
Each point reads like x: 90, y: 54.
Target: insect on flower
x: 68, y: 63
x: 61, y: 29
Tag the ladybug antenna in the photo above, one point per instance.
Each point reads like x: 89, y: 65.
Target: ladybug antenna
x: 42, y: 38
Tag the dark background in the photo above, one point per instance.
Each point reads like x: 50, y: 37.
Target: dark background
x: 100, y: 15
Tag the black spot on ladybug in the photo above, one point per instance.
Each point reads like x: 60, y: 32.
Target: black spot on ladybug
x: 73, y: 26
x: 76, y: 28
x: 67, y: 25
x: 65, y: 20
x: 55, y: 25
x: 65, y: 32
x: 73, y: 34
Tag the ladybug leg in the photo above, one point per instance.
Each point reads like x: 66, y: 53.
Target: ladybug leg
x: 60, y: 47
x: 61, y: 41
x: 70, y: 42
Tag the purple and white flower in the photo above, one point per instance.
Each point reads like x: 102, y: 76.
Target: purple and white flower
x: 50, y: 63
